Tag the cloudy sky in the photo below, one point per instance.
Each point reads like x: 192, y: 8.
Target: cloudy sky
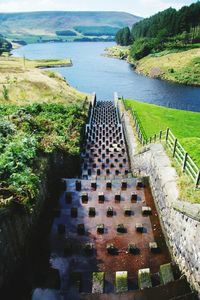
x: 138, y: 7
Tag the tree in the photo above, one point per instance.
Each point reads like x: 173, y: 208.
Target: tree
x: 141, y: 48
x: 126, y: 36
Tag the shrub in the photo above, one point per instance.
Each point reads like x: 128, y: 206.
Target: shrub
x: 141, y: 48
x: 27, y: 134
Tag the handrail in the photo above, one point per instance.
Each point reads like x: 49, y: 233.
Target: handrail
x: 178, y: 152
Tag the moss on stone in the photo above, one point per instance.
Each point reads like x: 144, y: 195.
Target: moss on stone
x: 144, y: 279
x: 121, y: 282
x: 166, y: 273
x: 98, y: 282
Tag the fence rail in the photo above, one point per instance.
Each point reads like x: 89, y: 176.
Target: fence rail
x: 188, y: 166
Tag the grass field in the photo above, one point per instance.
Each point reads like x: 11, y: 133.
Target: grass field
x: 22, y: 82
x: 184, y: 124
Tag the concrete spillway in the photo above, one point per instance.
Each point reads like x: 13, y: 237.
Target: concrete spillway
x: 108, y: 224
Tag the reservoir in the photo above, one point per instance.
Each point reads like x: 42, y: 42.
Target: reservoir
x: 92, y: 71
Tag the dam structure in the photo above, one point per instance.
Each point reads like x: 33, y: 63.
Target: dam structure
x: 106, y: 240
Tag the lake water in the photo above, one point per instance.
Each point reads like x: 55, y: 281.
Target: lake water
x: 93, y: 72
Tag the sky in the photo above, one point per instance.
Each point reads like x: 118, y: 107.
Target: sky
x: 143, y: 8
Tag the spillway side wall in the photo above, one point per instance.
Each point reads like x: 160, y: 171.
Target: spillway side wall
x: 180, y: 220
x: 18, y: 227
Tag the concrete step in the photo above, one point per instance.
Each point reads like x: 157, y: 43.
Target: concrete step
x: 176, y: 290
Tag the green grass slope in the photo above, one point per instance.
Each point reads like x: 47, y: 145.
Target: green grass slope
x: 181, y: 67
x: 184, y: 124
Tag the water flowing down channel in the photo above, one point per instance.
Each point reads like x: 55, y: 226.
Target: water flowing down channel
x: 106, y: 239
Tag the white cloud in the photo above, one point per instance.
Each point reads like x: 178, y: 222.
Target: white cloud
x: 138, y: 7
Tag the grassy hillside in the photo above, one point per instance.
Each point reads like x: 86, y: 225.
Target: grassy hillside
x: 184, y: 124
x: 21, y: 82
x: 40, y: 114
x: 43, y: 25
x: 182, y: 67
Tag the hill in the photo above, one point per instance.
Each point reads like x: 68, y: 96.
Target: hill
x: 162, y: 46
x: 43, y: 26
x: 181, y: 67
x: 168, y: 29
x: 24, y: 82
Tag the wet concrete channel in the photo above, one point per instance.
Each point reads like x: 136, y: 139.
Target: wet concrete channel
x: 107, y: 205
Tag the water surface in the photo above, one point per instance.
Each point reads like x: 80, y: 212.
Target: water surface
x: 92, y: 71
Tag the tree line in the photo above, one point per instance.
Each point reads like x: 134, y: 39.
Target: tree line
x: 167, y: 29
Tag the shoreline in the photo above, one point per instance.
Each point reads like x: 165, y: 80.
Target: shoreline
x: 27, y: 81
x: 120, y: 52
x: 70, y: 64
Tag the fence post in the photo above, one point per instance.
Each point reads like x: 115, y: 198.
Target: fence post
x: 150, y: 140
x: 155, y: 137
x: 160, y: 136
x: 198, y: 179
x: 167, y: 135
x: 136, y: 125
x: 185, y: 161
x: 174, y: 150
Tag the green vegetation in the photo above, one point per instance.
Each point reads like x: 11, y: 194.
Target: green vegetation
x: 31, y: 39
x: 169, y: 29
x: 180, y: 67
x: 121, y: 52
x: 37, y: 118
x: 5, y: 46
x: 97, y: 30
x: 184, y: 124
x: 169, y: 22
x: 121, y: 282
x: 123, y: 37
x: 166, y: 273
x: 98, y: 282
x: 161, y: 46
x: 28, y: 135
x: 144, y: 279
x: 66, y: 33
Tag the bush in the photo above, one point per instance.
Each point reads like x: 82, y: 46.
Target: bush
x: 27, y: 134
x: 141, y: 48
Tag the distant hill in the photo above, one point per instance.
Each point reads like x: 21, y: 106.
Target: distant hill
x: 46, y: 25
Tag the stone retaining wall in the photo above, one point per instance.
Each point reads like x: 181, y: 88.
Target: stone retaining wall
x: 17, y: 227
x: 180, y: 220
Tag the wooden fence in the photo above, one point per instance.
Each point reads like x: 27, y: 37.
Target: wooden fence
x: 178, y: 152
